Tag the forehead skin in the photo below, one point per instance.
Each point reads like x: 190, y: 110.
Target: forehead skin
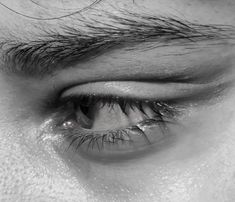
x: 23, y: 178
x: 202, y: 11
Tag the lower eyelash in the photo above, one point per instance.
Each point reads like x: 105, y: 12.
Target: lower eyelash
x: 92, y: 139
x: 79, y: 137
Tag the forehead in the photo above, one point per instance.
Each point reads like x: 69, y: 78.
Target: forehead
x: 21, y: 18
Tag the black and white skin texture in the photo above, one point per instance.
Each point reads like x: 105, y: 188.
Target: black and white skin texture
x: 117, y: 100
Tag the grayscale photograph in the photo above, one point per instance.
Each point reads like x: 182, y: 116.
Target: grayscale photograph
x: 117, y: 100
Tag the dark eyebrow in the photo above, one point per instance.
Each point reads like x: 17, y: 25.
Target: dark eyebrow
x: 54, y: 51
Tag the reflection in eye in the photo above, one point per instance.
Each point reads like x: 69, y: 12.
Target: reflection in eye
x: 105, y: 126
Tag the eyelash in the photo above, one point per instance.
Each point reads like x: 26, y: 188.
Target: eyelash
x: 164, y: 114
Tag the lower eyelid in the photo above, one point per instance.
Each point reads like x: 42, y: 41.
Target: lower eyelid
x: 115, y: 143
x: 121, y: 152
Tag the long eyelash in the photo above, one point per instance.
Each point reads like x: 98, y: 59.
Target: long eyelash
x: 159, y: 107
x: 164, y: 114
x: 77, y: 138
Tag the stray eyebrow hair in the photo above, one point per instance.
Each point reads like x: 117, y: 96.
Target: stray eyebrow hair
x: 55, y: 51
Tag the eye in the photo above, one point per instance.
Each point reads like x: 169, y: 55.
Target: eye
x: 108, y: 126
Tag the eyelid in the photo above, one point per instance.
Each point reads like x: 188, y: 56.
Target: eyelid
x: 180, y: 94
x: 133, y: 89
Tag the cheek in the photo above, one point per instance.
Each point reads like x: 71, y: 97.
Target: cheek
x: 29, y: 173
x: 207, y: 178
x: 14, y: 170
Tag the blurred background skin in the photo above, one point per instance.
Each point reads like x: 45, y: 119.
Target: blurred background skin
x: 204, y: 173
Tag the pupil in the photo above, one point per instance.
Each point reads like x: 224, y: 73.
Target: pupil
x: 85, y: 110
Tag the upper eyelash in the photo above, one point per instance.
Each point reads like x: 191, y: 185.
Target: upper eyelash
x: 159, y: 107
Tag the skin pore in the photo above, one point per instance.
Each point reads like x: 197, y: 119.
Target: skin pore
x: 194, y: 163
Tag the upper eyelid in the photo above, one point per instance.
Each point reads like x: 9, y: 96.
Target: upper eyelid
x: 204, y: 97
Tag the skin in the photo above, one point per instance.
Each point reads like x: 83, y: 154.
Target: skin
x: 198, y: 166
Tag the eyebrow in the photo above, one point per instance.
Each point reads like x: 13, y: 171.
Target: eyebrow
x: 54, y: 51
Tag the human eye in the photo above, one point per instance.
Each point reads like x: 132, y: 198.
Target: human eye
x: 109, y: 121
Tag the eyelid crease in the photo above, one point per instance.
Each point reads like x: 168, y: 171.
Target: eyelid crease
x: 149, y: 91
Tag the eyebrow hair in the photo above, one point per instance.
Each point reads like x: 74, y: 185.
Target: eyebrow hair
x: 55, y: 51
